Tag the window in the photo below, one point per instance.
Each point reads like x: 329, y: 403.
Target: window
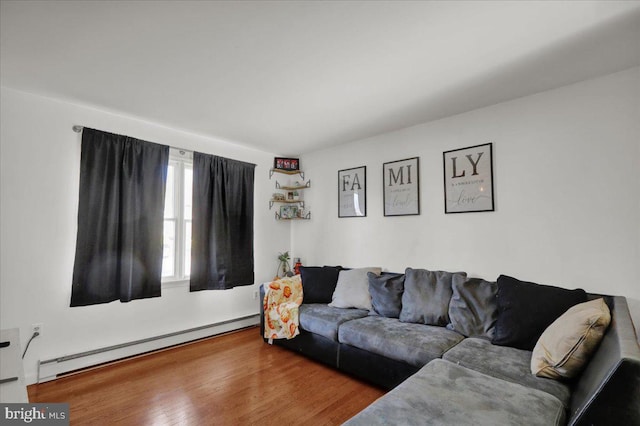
x: 176, y: 254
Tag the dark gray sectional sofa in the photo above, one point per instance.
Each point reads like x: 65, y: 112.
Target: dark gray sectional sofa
x: 437, y: 375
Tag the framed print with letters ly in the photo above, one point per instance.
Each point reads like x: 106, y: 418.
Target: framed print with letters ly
x: 352, y: 192
x: 401, y: 193
x: 468, y: 179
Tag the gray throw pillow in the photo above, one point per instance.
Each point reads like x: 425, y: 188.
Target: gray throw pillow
x: 386, y: 293
x: 426, y: 296
x: 474, y: 308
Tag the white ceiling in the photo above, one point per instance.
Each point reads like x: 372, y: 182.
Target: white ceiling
x: 295, y: 76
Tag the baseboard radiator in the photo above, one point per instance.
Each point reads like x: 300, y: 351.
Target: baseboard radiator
x: 52, y: 368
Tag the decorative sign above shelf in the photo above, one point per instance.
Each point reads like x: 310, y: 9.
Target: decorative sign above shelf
x: 286, y: 164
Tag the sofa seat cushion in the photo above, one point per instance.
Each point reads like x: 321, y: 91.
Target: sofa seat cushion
x: 503, y: 362
x: 443, y: 393
x: 324, y: 320
x: 415, y: 344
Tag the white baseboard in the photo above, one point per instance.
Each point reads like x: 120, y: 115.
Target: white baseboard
x: 51, y: 368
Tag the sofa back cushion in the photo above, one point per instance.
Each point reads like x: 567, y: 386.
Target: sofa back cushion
x: 352, y: 289
x: 426, y: 296
x: 526, y: 309
x: 319, y: 283
x: 386, y: 293
x: 473, y: 309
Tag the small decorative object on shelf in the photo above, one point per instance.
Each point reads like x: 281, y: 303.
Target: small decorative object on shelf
x: 300, y: 214
x: 288, y: 212
x: 297, y: 265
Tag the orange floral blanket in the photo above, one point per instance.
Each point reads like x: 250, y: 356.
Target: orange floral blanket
x: 281, y: 301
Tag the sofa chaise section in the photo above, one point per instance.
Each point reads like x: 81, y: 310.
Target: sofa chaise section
x: 503, y: 362
x: 444, y: 393
x: 607, y: 392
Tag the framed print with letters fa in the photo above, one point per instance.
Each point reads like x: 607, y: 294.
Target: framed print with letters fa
x: 468, y: 179
x: 401, y: 193
x: 352, y: 192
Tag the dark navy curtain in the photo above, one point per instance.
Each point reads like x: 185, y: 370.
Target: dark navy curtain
x: 222, y: 233
x: 120, y: 219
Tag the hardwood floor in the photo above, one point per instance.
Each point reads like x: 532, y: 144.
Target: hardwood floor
x: 234, y: 379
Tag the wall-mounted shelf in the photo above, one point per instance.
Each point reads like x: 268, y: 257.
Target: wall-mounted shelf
x: 286, y: 172
x: 293, y: 188
x: 292, y: 207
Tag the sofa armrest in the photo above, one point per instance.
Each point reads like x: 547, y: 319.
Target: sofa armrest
x: 608, y: 390
x: 261, y: 301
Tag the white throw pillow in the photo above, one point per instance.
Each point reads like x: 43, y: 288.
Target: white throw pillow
x: 567, y: 344
x: 352, y: 289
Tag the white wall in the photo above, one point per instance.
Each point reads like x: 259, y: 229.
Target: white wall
x: 40, y: 157
x: 567, y: 185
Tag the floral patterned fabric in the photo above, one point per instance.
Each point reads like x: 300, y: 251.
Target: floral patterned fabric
x: 281, y: 301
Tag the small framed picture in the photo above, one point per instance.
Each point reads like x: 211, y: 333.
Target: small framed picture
x: 288, y: 212
x: 287, y: 164
x: 352, y: 192
x: 401, y: 193
x: 468, y: 179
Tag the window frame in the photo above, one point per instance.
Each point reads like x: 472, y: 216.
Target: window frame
x: 181, y: 160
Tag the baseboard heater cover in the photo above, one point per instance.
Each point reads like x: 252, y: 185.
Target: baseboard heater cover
x: 49, y: 369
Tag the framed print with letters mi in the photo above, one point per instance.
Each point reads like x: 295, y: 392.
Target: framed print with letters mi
x: 401, y: 192
x: 468, y: 179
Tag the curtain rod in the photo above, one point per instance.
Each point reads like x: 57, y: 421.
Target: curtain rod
x: 78, y: 129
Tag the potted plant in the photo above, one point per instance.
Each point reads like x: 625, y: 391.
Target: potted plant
x: 283, y: 264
